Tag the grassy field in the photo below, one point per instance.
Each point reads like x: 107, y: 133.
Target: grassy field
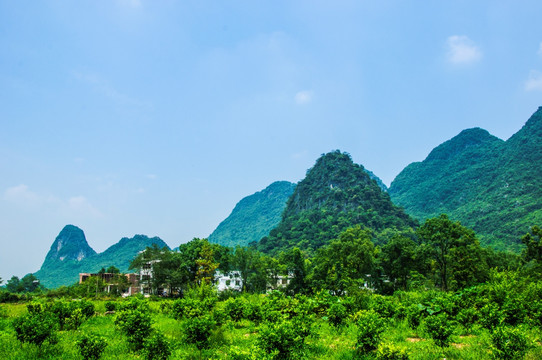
x: 240, y: 339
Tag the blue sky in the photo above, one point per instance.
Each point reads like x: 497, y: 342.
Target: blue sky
x: 132, y: 117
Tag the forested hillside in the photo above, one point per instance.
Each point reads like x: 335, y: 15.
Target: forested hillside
x: 490, y: 185
x: 335, y: 194
x: 64, y: 261
x: 254, y: 216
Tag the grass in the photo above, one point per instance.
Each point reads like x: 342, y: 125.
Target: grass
x: 327, y: 342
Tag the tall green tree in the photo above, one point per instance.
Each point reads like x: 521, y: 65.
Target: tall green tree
x: 345, y: 261
x: 533, y: 245
x: 14, y: 285
x: 455, y: 253
x: 398, y: 259
x: 296, y: 268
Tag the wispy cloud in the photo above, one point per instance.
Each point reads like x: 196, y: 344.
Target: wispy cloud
x: 303, y: 97
x: 81, y: 205
x: 151, y: 176
x: 462, y: 50
x: 540, y: 50
x: 22, y: 197
x: 534, y: 82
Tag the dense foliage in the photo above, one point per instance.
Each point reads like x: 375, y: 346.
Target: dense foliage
x: 254, y: 216
x: 336, y: 194
x: 490, y: 185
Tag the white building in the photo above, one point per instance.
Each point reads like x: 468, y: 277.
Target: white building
x: 229, y: 281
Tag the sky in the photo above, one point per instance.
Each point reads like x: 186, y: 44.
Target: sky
x: 129, y: 117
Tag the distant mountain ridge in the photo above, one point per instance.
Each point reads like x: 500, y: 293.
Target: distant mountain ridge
x: 254, y: 216
x: 335, y: 194
x: 70, y: 255
x: 490, y: 185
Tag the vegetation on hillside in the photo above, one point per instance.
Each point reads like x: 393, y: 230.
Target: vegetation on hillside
x: 490, y: 185
x: 335, y: 194
x: 254, y: 216
x: 351, y: 300
x: 55, y: 272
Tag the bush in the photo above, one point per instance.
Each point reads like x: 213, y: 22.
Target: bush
x: 283, y: 339
x: 370, y: 329
x: 508, y: 343
x: 35, y: 328
x: 246, y: 353
x: 234, y: 308
x: 439, y: 329
x: 87, y: 308
x: 391, y: 352
x: 91, y: 346
x: 75, y: 320
x: 3, y: 313
x: 135, y: 324
x: 198, y: 330
x: 490, y: 316
x: 110, y: 306
x: 187, y: 308
x: 156, y: 347
x: 337, y: 314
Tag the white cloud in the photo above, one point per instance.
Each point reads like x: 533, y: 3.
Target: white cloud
x: 22, y: 197
x: 81, y: 205
x: 540, y: 50
x: 303, y: 97
x: 534, y: 82
x: 462, y: 50
x: 152, y: 176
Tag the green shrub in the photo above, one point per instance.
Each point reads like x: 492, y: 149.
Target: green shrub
x: 467, y: 317
x: 135, y: 324
x: 156, y: 347
x: 391, y: 352
x: 91, y: 346
x: 75, y: 320
x: 197, y: 331
x: 234, y: 308
x: 246, y: 353
x: 252, y: 311
x: 3, y: 313
x: 283, y: 339
x: 35, y: 328
x: 337, y: 314
x: 491, y: 316
x: 439, y: 328
x: 385, y: 306
x: 110, y: 306
x: 508, y: 343
x: 415, y: 314
x: 87, y: 308
x: 370, y: 329
x: 188, y: 308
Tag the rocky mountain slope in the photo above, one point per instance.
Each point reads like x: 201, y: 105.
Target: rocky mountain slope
x: 70, y: 255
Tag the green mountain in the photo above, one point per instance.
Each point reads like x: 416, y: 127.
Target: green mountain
x: 490, y: 185
x: 70, y: 244
x: 70, y: 255
x: 335, y: 194
x: 254, y: 216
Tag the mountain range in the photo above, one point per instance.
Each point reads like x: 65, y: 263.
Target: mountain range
x: 488, y: 184
x: 70, y: 254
